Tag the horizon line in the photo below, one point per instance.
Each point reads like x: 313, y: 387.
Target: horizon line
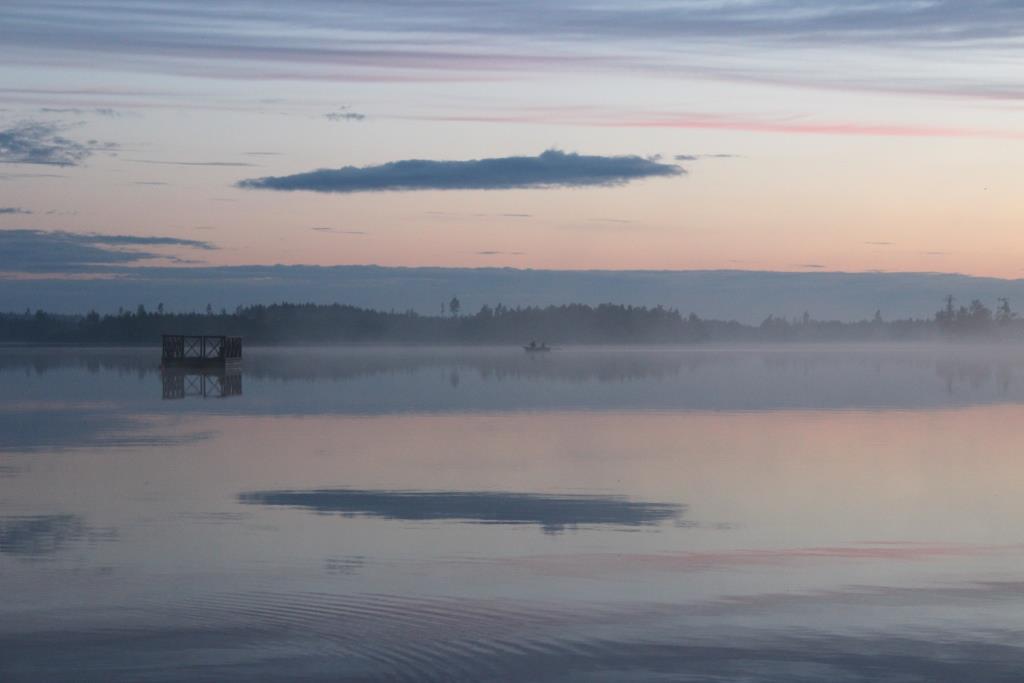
x: 101, y: 270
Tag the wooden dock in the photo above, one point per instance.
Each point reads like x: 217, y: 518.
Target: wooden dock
x: 200, y: 351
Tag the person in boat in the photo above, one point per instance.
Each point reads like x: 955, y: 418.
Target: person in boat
x: 533, y: 344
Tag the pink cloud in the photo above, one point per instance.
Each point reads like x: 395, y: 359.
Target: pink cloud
x: 791, y: 126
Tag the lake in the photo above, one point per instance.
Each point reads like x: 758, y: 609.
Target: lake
x: 756, y: 514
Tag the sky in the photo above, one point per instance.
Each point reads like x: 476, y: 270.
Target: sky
x: 767, y: 135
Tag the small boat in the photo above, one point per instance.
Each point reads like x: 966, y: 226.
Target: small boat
x: 534, y: 347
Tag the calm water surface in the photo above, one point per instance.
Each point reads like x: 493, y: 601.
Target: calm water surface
x: 755, y: 514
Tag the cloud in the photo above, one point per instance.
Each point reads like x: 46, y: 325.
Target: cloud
x: 99, y: 111
x: 13, y: 210
x: 230, y: 28
x: 552, y: 168
x: 461, y: 214
x: 190, y: 163
x: 491, y: 252
x: 22, y: 176
x: 897, y: 48
x: 698, y: 157
x: 699, y: 121
x: 141, y: 240
x: 344, y: 115
x: 55, y: 251
x: 37, y: 142
x: 337, y: 231
x: 690, y: 120
x: 755, y: 41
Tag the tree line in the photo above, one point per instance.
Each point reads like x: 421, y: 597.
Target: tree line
x: 287, y: 323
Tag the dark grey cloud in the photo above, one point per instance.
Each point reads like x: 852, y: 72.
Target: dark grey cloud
x: 149, y: 182
x: 552, y: 168
x: 142, y: 240
x: 491, y: 252
x: 344, y: 115
x: 55, y: 251
x: 39, y: 142
x: 815, y: 266
x: 13, y: 210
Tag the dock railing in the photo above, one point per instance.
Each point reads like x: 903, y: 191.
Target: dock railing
x: 185, y: 349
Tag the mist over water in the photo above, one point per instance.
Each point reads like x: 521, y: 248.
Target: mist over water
x: 765, y: 514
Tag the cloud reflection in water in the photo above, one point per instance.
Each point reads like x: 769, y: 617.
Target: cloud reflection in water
x: 552, y: 512
x: 36, y: 535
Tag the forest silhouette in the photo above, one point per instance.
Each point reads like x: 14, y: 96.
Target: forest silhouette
x: 286, y: 323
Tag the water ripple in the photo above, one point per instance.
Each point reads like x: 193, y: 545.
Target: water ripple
x: 260, y: 636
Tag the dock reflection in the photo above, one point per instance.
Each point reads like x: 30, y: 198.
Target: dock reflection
x: 182, y: 383
x: 352, y: 380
